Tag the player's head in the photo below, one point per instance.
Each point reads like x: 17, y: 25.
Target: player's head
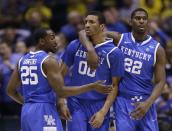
x: 45, y: 40
x: 139, y: 20
x: 5, y: 49
x: 94, y: 23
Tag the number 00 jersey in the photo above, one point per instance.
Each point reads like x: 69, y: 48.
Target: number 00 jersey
x: 110, y: 65
x: 139, y: 60
x: 35, y: 86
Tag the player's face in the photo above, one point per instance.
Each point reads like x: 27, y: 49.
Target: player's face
x: 92, y: 25
x: 50, y: 41
x: 139, y: 22
x: 4, y: 49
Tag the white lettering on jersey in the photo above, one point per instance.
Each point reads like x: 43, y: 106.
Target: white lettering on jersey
x: 136, y: 54
x: 30, y: 61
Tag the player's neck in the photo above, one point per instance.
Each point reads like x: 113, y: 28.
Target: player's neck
x: 139, y: 37
x: 39, y: 48
x: 97, y: 39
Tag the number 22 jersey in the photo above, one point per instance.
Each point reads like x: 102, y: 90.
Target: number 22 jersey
x: 139, y: 61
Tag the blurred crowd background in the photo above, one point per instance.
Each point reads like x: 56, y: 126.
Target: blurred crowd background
x: 19, y: 19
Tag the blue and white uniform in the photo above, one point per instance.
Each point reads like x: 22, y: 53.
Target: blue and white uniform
x: 136, y: 85
x: 85, y: 105
x: 39, y: 112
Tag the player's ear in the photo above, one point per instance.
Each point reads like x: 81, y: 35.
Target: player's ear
x: 42, y: 41
x: 102, y: 26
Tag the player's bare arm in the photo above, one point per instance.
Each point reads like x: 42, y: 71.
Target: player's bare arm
x: 52, y: 70
x: 97, y: 120
x: 116, y: 36
x: 12, y: 86
x: 92, y: 57
x: 62, y: 102
x: 159, y: 73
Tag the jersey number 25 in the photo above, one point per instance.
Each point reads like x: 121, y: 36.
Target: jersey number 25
x: 28, y: 76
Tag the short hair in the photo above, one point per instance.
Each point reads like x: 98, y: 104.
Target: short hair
x: 6, y: 43
x: 138, y: 9
x: 38, y: 34
x: 101, y: 18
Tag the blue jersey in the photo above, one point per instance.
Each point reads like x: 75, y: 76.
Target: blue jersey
x: 139, y: 59
x: 111, y: 65
x: 35, y: 86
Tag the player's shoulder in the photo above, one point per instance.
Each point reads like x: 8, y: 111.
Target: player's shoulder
x: 153, y: 40
x: 50, y: 60
x: 74, y: 44
x: 115, y: 52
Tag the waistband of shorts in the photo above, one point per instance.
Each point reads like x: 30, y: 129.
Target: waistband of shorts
x: 86, y: 100
x: 131, y: 97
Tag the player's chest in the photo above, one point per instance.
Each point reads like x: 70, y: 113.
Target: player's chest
x: 81, y: 55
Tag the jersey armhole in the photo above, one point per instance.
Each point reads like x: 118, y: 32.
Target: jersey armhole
x: 156, y: 48
x: 122, y: 35
x: 18, y: 66
x: 41, y: 66
x: 107, y: 57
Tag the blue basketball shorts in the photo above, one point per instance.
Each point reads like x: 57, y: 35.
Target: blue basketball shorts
x: 40, y: 117
x: 82, y: 111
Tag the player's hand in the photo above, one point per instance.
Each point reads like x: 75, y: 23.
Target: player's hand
x: 64, y: 112
x: 141, y: 109
x: 99, y: 87
x: 92, y: 59
x: 97, y: 120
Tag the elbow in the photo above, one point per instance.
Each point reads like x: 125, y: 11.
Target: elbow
x: 62, y: 94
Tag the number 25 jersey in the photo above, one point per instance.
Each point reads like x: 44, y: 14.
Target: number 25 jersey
x: 35, y: 86
x: 139, y: 61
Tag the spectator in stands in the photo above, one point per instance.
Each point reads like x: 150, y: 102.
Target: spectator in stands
x: 113, y: 22
x: 166, y: 18
x: 127, y: 8
x: 75, y: 24
x: 21, y: 47
x: 12, y: 12
x: 154, y: 7
x: 38, y: 15
x: 12, y: 35
x: 168, y: 50
x: 7, y: 64
x: 156, y: 31
x: 62, y: 43
x: 164, y: 108
x: 77, y: 5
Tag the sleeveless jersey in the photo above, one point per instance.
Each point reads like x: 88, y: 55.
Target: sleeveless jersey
x: 35, y: 86
x: 139, y: 60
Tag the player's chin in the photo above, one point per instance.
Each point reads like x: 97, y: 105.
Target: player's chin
x: 53, y: 50
x: 88, y: 33
x: 140, y: 31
